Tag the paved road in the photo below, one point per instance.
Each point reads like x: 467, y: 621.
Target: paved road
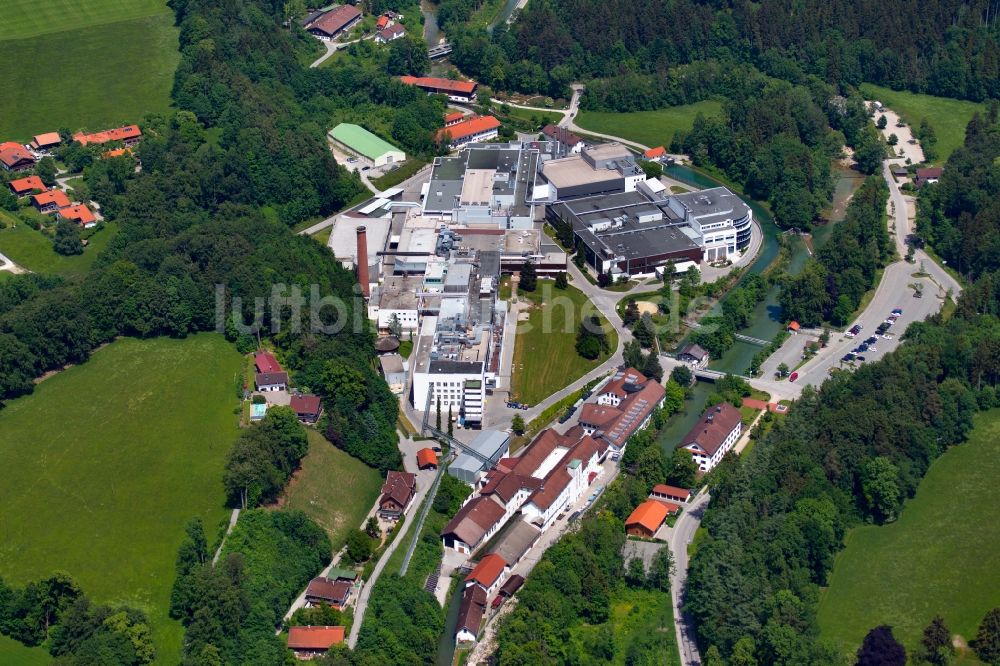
x: 7, y: 264
x: 681, y: 535
x: 333, y: 47
x: 893, y: 291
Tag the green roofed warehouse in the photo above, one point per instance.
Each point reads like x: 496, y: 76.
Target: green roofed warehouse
x: 359, y: 140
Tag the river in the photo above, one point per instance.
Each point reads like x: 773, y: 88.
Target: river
x: 767, y: 319
x: 431, y: 31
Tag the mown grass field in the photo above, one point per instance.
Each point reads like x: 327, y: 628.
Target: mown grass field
x: 83, y: 64
x: 948, y: 117
x: 650, y: 128
x: 333, y: 489
x: 939, y: 557
x: 32, y: 249
x: 545, y: 358
x: 107, y: 461
x: 13, y: 653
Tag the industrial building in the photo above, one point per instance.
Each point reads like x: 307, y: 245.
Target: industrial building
x: 606, y: 168
x: 359, y: 140
x: 491, y: 445
x: 627, y: 232
x: 485, y: 184
x: 720, y: 217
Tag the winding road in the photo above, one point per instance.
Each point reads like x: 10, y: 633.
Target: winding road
x: 680, y: 537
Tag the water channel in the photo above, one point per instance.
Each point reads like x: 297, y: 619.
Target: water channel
x: 766, y: 321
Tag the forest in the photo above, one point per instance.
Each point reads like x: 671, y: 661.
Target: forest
x: 849, y: 453
x: 78, y: 631
x: 948, y: 48
x: 832, y: 284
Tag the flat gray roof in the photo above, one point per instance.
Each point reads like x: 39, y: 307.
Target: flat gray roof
x: 516, y: 541
x: 574, y: 170
x: 716, y: 204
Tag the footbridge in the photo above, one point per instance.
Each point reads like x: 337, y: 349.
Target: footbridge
x: 439, y: 51
x: 752, y: 340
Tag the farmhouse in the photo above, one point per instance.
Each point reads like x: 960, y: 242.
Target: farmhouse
x: 264, y: 361
x: 476, y: 128
x: 457, y: 91
x: 330, y: 24
x: 388, y: 34
x: 470, y: 614
x: 307, y: 407
x: 427, y: 459
x: 397, y: 493
x: 25, y: 186
x: 50, y: 201
x: 129, y: 135
x: 15, y: 157
x: 713, y: 436
x: 328, y: 591
x: 271, y: 381
x: 310, y: 642
x: 489, y: 573
x: 925, y: 176
x: 46, y: 141
x: 80, y: 214
x: 646, y: 519
x: 359, y: 140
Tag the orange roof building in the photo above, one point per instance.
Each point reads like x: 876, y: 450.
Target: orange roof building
x: 23, y: 186
x: 382, y: 22
x: 794, y: 326
x: 427, y: 459
x: 481, y: 128
x: 117, y: 152
x: 308, y: 641
x: 15, y: 157
x: 488, y: 574
x: 655, y: 153
x: 79, y: 214
x: 646, y: 519
x: 457, y: 91
x: 662, y: 491
x: 50, y: 201
x: 47, y: 140
x: 453, y: 117
x: 129, y: 134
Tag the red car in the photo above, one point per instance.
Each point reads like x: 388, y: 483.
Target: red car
x: 792, y: 377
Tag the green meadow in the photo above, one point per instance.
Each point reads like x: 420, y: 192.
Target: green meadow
x: 107, y: 461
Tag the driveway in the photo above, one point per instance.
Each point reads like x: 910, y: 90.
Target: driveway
x: 681, y: 535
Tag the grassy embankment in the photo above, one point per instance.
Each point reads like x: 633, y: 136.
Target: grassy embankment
x: 545, y: 358
x: 32, y: 249
x: 104, y: 465
x: 938, y: 558
x: 947, y: 117
x: 333, y: 489
x: 84, y: 63
x: 650, y: 128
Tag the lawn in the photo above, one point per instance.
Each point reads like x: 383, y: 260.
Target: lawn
x: 545, y: 358
x: 107, y: 461
x: 333, y: 489
x: 948, y: 117
x: 650, y: 128
x: 409, y: 168
x: 939, y: 557
x: 529, y: 115
x: 13, y: 653
x: 32, y: 249
x: 86, y: 86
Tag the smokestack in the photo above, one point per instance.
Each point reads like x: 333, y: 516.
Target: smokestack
x: 363, y: 260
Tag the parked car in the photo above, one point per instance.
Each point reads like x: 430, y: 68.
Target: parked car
x: 861, y: 359
x: 498, y: 601
x: 792, y: 377
x: 871, y: 340
x: 848, y: 357
x: 897, y: 311
x: 862, y: 348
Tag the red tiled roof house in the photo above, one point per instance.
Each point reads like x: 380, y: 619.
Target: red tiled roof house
x: 309, y: 642
x: 489, y: 573
x: 24, y: 186
x: 15, y: 157
x: 646, y: 519
x: 307, y: 407
x: 336, y: 593
x: 50, y: 201
x: 713, y: 436
x: 397, y: 493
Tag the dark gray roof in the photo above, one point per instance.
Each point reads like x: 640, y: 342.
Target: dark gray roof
x: 454, y: 367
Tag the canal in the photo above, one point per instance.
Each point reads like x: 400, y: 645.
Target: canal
x: 767, y: 319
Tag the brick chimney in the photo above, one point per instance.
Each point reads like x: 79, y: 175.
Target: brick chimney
x: 363, y: 260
